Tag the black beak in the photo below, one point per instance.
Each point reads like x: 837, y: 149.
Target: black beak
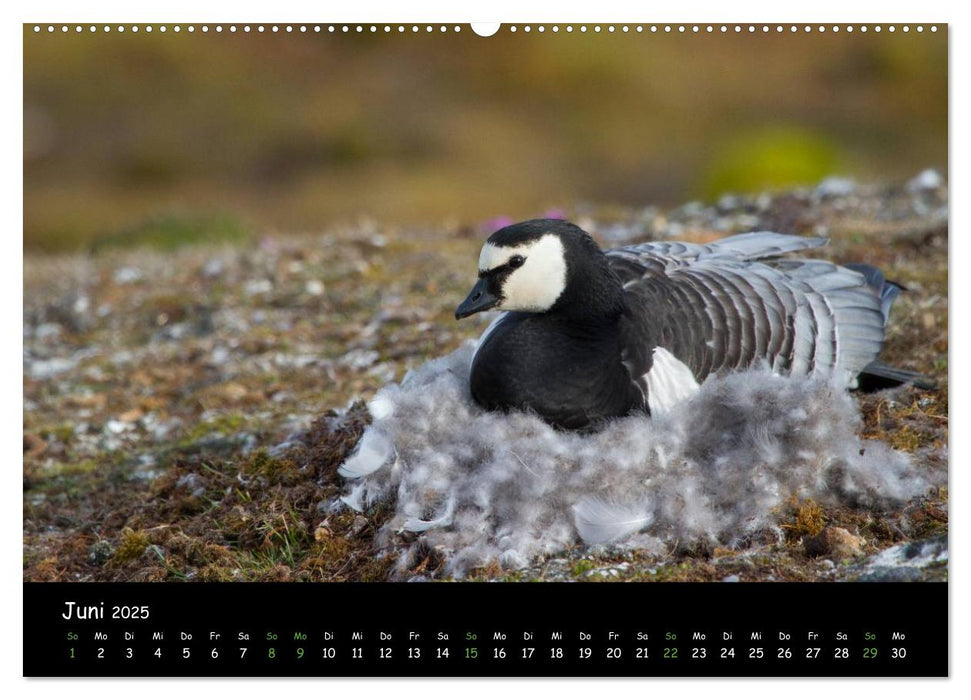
x: 479, y: 299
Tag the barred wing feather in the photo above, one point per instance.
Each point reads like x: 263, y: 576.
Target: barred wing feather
x: 727, y: 305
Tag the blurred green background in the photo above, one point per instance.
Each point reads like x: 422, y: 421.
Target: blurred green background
x: 170, y: 137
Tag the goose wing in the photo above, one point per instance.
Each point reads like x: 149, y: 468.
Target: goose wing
x: 745, y: 246
x: 727, y: 305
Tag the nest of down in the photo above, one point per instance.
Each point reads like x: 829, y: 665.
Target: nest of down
x: 482, y: 487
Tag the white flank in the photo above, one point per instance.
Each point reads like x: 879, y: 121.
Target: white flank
x: 539, y: 282
x: 598, y: 521
x: 372, y: 453
x: 669, y: 382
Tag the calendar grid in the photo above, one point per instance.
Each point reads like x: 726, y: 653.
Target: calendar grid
x: 478, y: 629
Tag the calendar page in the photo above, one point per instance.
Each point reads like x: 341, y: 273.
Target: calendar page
x: 550, y: 349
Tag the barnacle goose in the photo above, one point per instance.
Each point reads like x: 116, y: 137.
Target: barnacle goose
x: 588, y: 335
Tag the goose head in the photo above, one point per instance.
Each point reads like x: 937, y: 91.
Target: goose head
x: 534, y: 266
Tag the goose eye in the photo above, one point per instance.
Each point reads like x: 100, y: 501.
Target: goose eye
x: 516, y: 261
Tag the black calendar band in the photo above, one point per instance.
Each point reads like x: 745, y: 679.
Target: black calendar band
x: 477, y: 629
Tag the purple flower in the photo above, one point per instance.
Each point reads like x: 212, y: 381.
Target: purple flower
x: 495, y: 223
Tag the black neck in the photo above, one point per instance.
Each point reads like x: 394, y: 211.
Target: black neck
x: 595, y: 295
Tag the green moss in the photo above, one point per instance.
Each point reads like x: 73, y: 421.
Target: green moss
x: 773, y: 157
x: 228, y: 424
x: 133, y: 545
x: 582, y: 567
x: 805, y: 519
x: 214, y: 573
x: 906, y: 439
x: 61, y: 431
x: 172, y: 231
x: 87, y: 466
x: 274, y: 468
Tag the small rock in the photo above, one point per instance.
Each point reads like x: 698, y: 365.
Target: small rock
x: 248, y: 443
x: 732, y: 578
x: 45, y: 369
x: 727, y: 203
x: 127, y: 275
x: 110, y: 444
x: 621, y: 233
x: 359, y: 359
x: 213, y: 268
x: 233, y: 392
x: 674, y: 229
x: 131, y: 416
x: 176, y: 331
x: 255, y: 287
x: 384, y: 372
x: 100, y: 552
x: 34, y: 446
x: 314, y: 288
x: 915, y: 555
x: 81, y: 304
x: 835, y: 542
x: 835, y: 187
x: 929, y: 179
x: 322, y: 532
x: 898, y: 574
x: 87, y: 400
x: 358, y: 524
x: 219, y: 355
x: 159, y: 429
x: 188, y: 481
x: 692, y: 208
x: 48, y: 331
x: 117, y: 426
x: 608, y: 571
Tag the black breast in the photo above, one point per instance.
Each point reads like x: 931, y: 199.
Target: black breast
x: 571, y: 376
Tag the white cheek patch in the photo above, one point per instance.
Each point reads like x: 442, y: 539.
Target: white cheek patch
x: 539, y: 282
x: 492, y: 256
